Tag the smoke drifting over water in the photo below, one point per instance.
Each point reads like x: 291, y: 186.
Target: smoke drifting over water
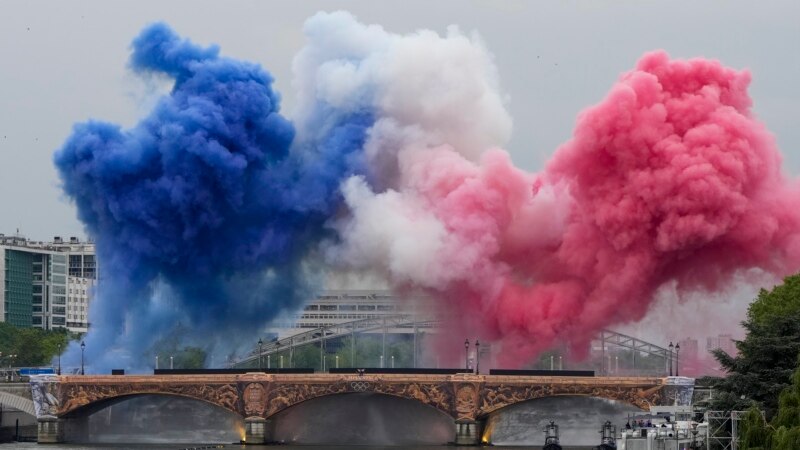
x: 212, y: 209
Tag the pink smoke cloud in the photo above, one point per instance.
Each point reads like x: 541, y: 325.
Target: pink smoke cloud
x: 669, y: 179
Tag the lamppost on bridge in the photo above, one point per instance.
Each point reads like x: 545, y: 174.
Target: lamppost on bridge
x: 671, y: 348
x: 677, y: 358
x: 278, y: 351
x: 260, y: 345
x: 156, y: 362
x: 59, y: 359
x: 392, y: 361
x: 466, y: 354
x: 477, y: 357
x: 170, y: 363
x: 83, y: 347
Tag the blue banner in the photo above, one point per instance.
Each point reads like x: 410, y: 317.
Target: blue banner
x: 27, y: 371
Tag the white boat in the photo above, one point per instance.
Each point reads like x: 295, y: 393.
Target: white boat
x: 665, y: 434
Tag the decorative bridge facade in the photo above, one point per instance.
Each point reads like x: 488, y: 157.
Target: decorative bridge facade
x: 260, y: 397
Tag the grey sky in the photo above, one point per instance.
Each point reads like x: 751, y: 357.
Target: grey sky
x: 64, y: 62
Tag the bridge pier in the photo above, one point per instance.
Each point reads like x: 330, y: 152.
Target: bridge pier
x: 50, y: 430
x: 468, y: 432
x: 256, y: 430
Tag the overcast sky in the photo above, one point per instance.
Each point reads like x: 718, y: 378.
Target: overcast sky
x: 64, y: 62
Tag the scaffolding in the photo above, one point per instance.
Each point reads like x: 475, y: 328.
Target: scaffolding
x: 722, y: 431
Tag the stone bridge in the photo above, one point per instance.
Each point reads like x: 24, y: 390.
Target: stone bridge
x: 17, y: 396
x: 257, y: 397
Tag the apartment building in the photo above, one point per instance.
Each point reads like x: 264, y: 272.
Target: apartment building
x: 36, y: 281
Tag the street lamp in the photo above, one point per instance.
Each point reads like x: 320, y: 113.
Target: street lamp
x: 83, y: 347
x: 671, y: 348
x: 466, y: 354
x: 477, y: 357
x: 156, y: 362
x: 59, y: 359
x: 677, y: 358
x: 392, y: 361
x: 170, y: 363
x: 278, y: 351
x: 260, y: 345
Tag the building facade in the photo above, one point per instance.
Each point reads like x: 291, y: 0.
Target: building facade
x: 339, y: 306
x: 723, y: 342
x: 79, y: 294
x: 690, y: 349
x: 35, y: 279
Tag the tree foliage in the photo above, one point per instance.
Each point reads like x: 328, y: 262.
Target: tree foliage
x: 783, y: 433
x: 31, y: 346
x: 183, y: 356
x: 763, y: 367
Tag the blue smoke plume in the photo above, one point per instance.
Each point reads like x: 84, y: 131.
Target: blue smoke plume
x: 205, y: 211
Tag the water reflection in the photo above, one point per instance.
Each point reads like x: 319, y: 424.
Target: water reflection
x: 579, y: 419
x: 32, y: 446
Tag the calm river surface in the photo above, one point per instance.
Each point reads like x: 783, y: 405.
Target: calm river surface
x: 248, y: 447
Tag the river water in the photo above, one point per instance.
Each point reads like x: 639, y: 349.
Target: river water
x: 242, y: 447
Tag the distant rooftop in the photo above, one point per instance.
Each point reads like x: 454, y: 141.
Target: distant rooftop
x: 57, y: 244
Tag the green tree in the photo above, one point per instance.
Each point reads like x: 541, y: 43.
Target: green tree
x: 31, y: 346
x: 783, y: 433
x: 756, y: 434
x: 767, y: 355
x: 183, y: 356
x: 787, y: 421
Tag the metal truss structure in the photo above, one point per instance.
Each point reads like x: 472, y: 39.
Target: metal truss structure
x: 638, y: 346
x: 409, y: 323
x: 384, y: 324
x: 722, y: 432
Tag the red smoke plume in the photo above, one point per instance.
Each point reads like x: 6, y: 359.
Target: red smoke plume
x: 669, y: 178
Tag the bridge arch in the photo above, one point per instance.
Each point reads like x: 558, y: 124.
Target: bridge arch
x: 140, y: 418
x: 391, y: 419
x: 438, y: 396
x: 486, y: 413
x: 580, y: 417
x: 494, y: 397
x: 18, y: 402
x: 74, y: 410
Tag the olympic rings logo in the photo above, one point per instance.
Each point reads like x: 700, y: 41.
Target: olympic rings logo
x: 360, y: 386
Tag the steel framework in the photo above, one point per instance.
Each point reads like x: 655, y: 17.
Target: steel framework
x: 608, y: 337
x: 722, y: 431
x: 351, y: 329
x: 411, y: 322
